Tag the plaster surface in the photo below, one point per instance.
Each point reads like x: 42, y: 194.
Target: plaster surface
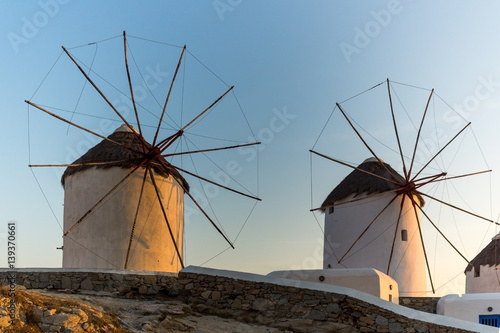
x: 367, y: 280
x: 350, y: 220
x: 101, y: 240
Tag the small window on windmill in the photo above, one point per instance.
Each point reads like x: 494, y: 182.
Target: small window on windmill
x: 404, y: 235
x: 477, y: 271
x: 330, y: 210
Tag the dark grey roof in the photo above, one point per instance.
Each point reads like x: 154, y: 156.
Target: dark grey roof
x: 490, y: 256
x: 358, y: 182
x: 118, y: 156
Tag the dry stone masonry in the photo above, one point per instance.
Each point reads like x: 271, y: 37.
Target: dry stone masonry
x: 280, y: 303
x: 104, y: 281
x: 276, y: 302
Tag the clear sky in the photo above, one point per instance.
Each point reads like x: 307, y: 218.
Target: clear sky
x: 290, y: 62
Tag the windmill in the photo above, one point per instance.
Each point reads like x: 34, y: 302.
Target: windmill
x: 124, y: 198
x: 375, y: 216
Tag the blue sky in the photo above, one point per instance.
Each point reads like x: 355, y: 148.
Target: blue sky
x: 290, y: 62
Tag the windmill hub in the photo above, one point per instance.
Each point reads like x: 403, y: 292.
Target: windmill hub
x: 407, y: 188
x: 154, y: 153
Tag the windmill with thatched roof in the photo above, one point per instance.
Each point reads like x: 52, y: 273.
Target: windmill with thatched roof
x: 129, y: 235
x: 124, y: 202
x: 392, y: 245
x: 373, y: 217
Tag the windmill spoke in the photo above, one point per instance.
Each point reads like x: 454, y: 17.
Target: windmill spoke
x: 457, y: 208
x: 395, y: 234
x: 211, y: 149
x: 82, y: 128
x: 418, y: 134
x: 437, y: 228
x: 368, y: 227
x: 363, y: 140
x: 396, y: 131
x: 204, y: 111
x: 355, y: 168
x: 79, y: 164
x: 130, y: 84
x: 462, y: 176
x: 422, y: 241
x: 439, y: 152
x: 168, y: 95
x: 135, y: 217
x: 427, y: 180
x: 209, y: 219
x: 104, y: 97
x: 217, y: 184
x: 91, y: 210
x: 169, y: 141
x: 151, y: 175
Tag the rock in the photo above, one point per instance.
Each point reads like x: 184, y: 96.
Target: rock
x: 65, y: 320
x: 236, y: 305
x: 87, y: 284
x: 123, y: 288
x: 27, y: 283
x: 38, y: 312
x: 79, y: 312
x: 154, y: 289
x: 150, y: 279
x: 260, y: 304
x: 48, y: 313
x: 146, y: 319
x: 143, y: 290
x: 382, y: 321
x: 421, y: 328
x: 65, y: 282
x: 395, y: 328
x: 206, y: 294
x: 216, y: 295
x: 367, y: 320
x: 147, y: 327
x: 179, y: 309
x: 333, y: 308
x: 316, y: 315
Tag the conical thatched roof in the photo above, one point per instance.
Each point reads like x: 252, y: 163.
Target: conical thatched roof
x: 490, y: 255
x: 107, y: 151
x: 358, y: 182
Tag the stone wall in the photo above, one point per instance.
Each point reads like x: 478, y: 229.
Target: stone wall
x: 122, y: 282
x: 425, y: 304
x: 272, y: 299
x: 303, y: 300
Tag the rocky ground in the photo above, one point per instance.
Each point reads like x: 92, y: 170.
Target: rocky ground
x: 44, y: 311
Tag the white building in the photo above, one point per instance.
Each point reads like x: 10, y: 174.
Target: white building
x: 482, y: 275
x: 367, y: 280
x: 481, y: 302
x: 102, y: 239
x: 389, y: 246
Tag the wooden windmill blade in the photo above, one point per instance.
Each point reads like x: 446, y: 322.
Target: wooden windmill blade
x: 375, y: 216
x: 124, y: 200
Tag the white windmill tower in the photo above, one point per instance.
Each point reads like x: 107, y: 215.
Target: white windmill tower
x: 131, y: 228
x: 392, y: 245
